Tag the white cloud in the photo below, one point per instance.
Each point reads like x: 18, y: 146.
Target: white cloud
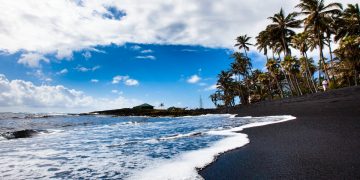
x: 131, y: 82
x: 147, y: 51
x: 85, y: 69
x: 189, y: 50
x: 211, y: 88
x: 32, y: 59
x: 135, y: 47
x: 94, y: 80
x: 117, y: 79
x: 126, y: 80
x: 40, y: 75
x: 194, y: 79
x: 117, y: 92
x: 146, y: 57
x: 63, y: 71
x: 19, y: 95
x: 59, y: 28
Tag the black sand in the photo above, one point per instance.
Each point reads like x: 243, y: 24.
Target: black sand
x: 322, y: 143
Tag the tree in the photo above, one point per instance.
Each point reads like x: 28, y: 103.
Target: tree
x: 291, y: 68
x: 302, y: 42
x: 316, y: 21
x: 243, y: 43
x: 348, y: 24
x: 241, y: 67
x: 274, y: 70
x: 263, y: 42
x: 225, y: 83
x: 349, y: 50
x: 281, y: 28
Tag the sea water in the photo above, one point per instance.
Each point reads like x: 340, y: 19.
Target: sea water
x: 106, y: 147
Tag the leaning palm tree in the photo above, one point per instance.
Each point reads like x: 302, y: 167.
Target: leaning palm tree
x: 302, y: 42
x: 274, y: 70
x: 243, y: 43
x: 281, y: 28
x: 316, y: 21
x: 291, y: 66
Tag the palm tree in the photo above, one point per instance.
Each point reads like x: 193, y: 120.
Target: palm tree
x: 216, y: 97
x: 302, y: 42
x: 241, y: 67
x: 281, y: 28
x: 316, y: 21
x: 349, y: 50
x: 274, y: 70
x: 291, y: 68
x: 348, y: 24
x: 263, y: 42
x: 264, y: 79
x: 243, y: 43
x: 225, y: 83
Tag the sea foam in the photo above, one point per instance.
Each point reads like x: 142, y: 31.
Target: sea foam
x: 184, y: 167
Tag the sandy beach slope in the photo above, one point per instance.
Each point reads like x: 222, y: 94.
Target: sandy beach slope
x: 322, y: 143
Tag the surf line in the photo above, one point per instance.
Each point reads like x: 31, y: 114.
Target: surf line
x: 185, y: 166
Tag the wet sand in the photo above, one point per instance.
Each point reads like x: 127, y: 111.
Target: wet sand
x: 322, y: 143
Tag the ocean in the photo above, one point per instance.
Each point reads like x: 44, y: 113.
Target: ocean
x: 105, y: 147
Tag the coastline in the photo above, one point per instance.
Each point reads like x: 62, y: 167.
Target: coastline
x: 322, y: 143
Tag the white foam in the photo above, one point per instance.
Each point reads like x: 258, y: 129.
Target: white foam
x: 180, y: 136
x: 184, y: 166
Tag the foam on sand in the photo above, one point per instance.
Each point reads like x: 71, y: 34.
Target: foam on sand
x: 185, y: 165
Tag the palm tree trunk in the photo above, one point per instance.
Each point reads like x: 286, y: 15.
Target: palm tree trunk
x: 245, y: 52
x: 290, y: 83
x: 322, y: 58
x: 309, y: 72
x: 308, y: 84
x: 279, y: 86
x: 356, y: 77
x: 331, y: 60
x: 297, y: 84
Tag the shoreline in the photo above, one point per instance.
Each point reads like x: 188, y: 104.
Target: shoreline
x: 322, y: 142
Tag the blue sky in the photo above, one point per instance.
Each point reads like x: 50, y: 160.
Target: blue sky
x: 162, y: 72
x: 85, y: 55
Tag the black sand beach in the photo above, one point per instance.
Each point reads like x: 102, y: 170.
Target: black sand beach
x: 322, y: 143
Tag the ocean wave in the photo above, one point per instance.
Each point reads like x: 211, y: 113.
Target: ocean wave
x: 21, y: 134
x: 9, y: 115
x: 185, y: 166
x: 177, y: 136
x: 26, y: 133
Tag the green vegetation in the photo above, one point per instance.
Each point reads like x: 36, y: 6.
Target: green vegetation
x: 287, y: 75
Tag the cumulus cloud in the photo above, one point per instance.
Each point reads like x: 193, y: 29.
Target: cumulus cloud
x: 85, y: 69
x: 26, y: 96
x: 62, y: 27
x: 63, y: 71
x: 146, y: 57
x: 32, y: 59
x: 194, y: 79
x: 126, y: 80
x: 38, y: 28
